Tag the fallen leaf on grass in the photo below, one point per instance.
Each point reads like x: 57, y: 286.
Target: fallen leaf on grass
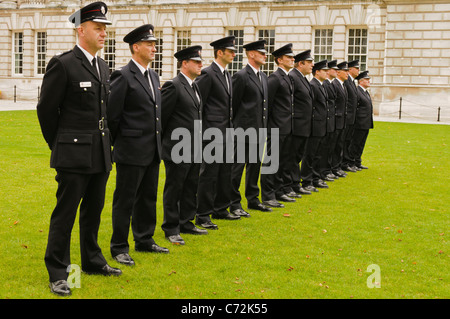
x: 286, y: 215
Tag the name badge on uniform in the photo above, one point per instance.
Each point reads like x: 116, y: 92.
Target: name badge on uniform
x: 85, y: 84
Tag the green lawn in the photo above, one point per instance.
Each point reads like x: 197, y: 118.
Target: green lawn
x: 394, y: 215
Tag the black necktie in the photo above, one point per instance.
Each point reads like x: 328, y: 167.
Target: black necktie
x: 94, y: 65
x: 226, y: 79
x: 195, y: 91
x: 148, y: 82
x: 259, y: 76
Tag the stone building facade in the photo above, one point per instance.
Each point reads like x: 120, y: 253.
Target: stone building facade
x: 405, y: 45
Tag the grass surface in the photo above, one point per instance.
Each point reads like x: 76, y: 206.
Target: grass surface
x: 394, y: 215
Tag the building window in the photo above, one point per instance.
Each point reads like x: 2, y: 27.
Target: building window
x: 269, y: 36
x: 18, y: 52
x: 41, y: 51
x: 323, y: 44
x: 357, y: 47
x: 183, y: 41
x: 236, y: 65
x: 157, y: 62
x: 109, y: 50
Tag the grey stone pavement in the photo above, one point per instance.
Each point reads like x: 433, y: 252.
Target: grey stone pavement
x: 10, y: 105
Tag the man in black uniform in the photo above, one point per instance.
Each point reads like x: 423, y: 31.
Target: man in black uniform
x: 72, y: 116
x: 250, y: 111
x: 352, y: 101
x: 274, y: 187
x: 303, y: 98
x: 134, y: 114
x: 316, y: 142
x: 330, y: 138
x: 364, y: 119
x: 182, y: 112
x: 214, y: 185
x: 341, y: 110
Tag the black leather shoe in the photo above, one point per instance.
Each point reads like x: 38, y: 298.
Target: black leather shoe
x: 124, y: 259
x: 285, y: 198
x: 273, y: 203
x: 175, y: 239
x: 228, y: 216
x: 356, y: 168
x: 106, y: 270
x: 240, y: 212
x: 321, y: 184
x: 304, y: 191
x: 60, y: 288
x: 294, y: 195
x: 327, y: 179
x: 332, y: 176
x: 311, y: 188
x: 158, y: 249
x: 208, y: 225
x: 340, y: 173
x: 194, y: 231
x: 362, y: 167
x: 260, y: 207
x: 349, y: 169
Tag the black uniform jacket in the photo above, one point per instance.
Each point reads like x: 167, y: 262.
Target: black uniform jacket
x: 180, y: 109
x: 281, y: 102
x: 250, y: 99
x: 352, y: 100
x: 303, y: 99
x: 72, y: 113
x: 319, y: 123
x: 364, y: 111
x: 134, y: 116
x: 341, y: 104
x: 331, y: 93
x: 216, y: 97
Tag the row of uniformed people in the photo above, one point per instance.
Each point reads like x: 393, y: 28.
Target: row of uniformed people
x: 83, y: 114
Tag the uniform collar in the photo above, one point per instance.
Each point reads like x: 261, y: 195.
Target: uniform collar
x: 139, y: 66
x: 86, y: 53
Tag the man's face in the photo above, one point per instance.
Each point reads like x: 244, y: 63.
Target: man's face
x: 321, y: 75
x: 332, y: 73
x: 92, y: 35
x: 342, y: 75
x: 286, y: 62
x: 353, y: 72
x: 193, y: 68
x: 365, y: 83
x: 258, y: 57
x: 145, y: 50
x: 306, y: 66
x: 227, y: 56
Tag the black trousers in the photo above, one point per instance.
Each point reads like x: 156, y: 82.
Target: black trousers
x: 73, y: 188
x: 251, y: 162
x: 324, y: 165
x: 180, y: 196
x: 337, y: 151
x: 298, y: 146
x: 214, y: 188
x: 347, y: 159
x: 309, y: 170
x: 277, y: 184
x: 357, y: 146
x: 134, y: 202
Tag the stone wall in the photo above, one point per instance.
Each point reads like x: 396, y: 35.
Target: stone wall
x: 408, y: 41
